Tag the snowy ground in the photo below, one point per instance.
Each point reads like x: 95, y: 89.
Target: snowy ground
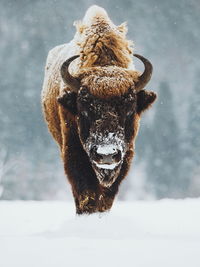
x: 159, y: 233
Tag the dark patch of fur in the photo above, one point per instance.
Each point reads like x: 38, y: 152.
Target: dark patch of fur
x: 92, y: 108
x: 79, y: 171
x: 144, y: 100
x: 68, y: 101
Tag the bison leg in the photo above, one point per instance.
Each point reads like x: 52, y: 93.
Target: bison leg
x: 90, y: 202
x: 86, y: 203
x: 107, y: 197
x: 85, y: 186
x: 85, y: 190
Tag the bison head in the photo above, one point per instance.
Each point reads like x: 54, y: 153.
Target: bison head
x: 107, y: 104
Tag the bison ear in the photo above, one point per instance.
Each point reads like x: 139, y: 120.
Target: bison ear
x: 68, y: 101
x: 144, y: 100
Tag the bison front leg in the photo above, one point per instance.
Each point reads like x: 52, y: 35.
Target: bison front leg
x: 90, y: 202
x: 86, y: 202
x: 106, y: 199
x: 85, y: 186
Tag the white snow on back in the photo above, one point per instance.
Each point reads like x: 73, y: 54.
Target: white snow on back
x: 142, y: 234
x: 95, y: 12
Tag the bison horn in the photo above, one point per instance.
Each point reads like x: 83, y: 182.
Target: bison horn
x: 72, y: 82
x: 146, y: 75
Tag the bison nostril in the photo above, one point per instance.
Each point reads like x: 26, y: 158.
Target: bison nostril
x: 117, y: 156
x: 97, y: 157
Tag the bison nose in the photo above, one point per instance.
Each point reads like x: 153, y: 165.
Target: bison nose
x: 106, y: 157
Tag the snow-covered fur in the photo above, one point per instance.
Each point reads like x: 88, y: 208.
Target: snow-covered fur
x: 105, y: 105
x: 107, y: 81
x: 101, y: 42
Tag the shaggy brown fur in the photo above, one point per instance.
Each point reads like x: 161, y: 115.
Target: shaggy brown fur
x: 102, y: 43
x: 99, y: 80
x: 107, y: 94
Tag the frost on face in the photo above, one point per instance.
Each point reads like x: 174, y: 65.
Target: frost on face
x: 110, y: 145
x: 106, y: 144
x: 107, y: 166
x: 106, y: 149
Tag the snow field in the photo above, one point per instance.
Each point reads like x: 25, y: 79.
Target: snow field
x: 157, y: 233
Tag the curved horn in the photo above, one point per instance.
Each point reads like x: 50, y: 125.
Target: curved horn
x: 146, y: 75
x: 72, y: 82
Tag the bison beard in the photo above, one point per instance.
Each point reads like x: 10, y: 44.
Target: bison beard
x: 94, y: 115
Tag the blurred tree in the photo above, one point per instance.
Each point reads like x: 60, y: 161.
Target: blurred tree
x: 194, y: 122
x: 192, y: 145
x: 164, y: 159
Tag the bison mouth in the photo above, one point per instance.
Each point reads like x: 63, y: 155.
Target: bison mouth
x: 106, y: 173
x: 111, y: 166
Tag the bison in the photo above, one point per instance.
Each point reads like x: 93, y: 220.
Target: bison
x: 92, y: 100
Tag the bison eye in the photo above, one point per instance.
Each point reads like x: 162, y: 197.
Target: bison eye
x: 129, y: 113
